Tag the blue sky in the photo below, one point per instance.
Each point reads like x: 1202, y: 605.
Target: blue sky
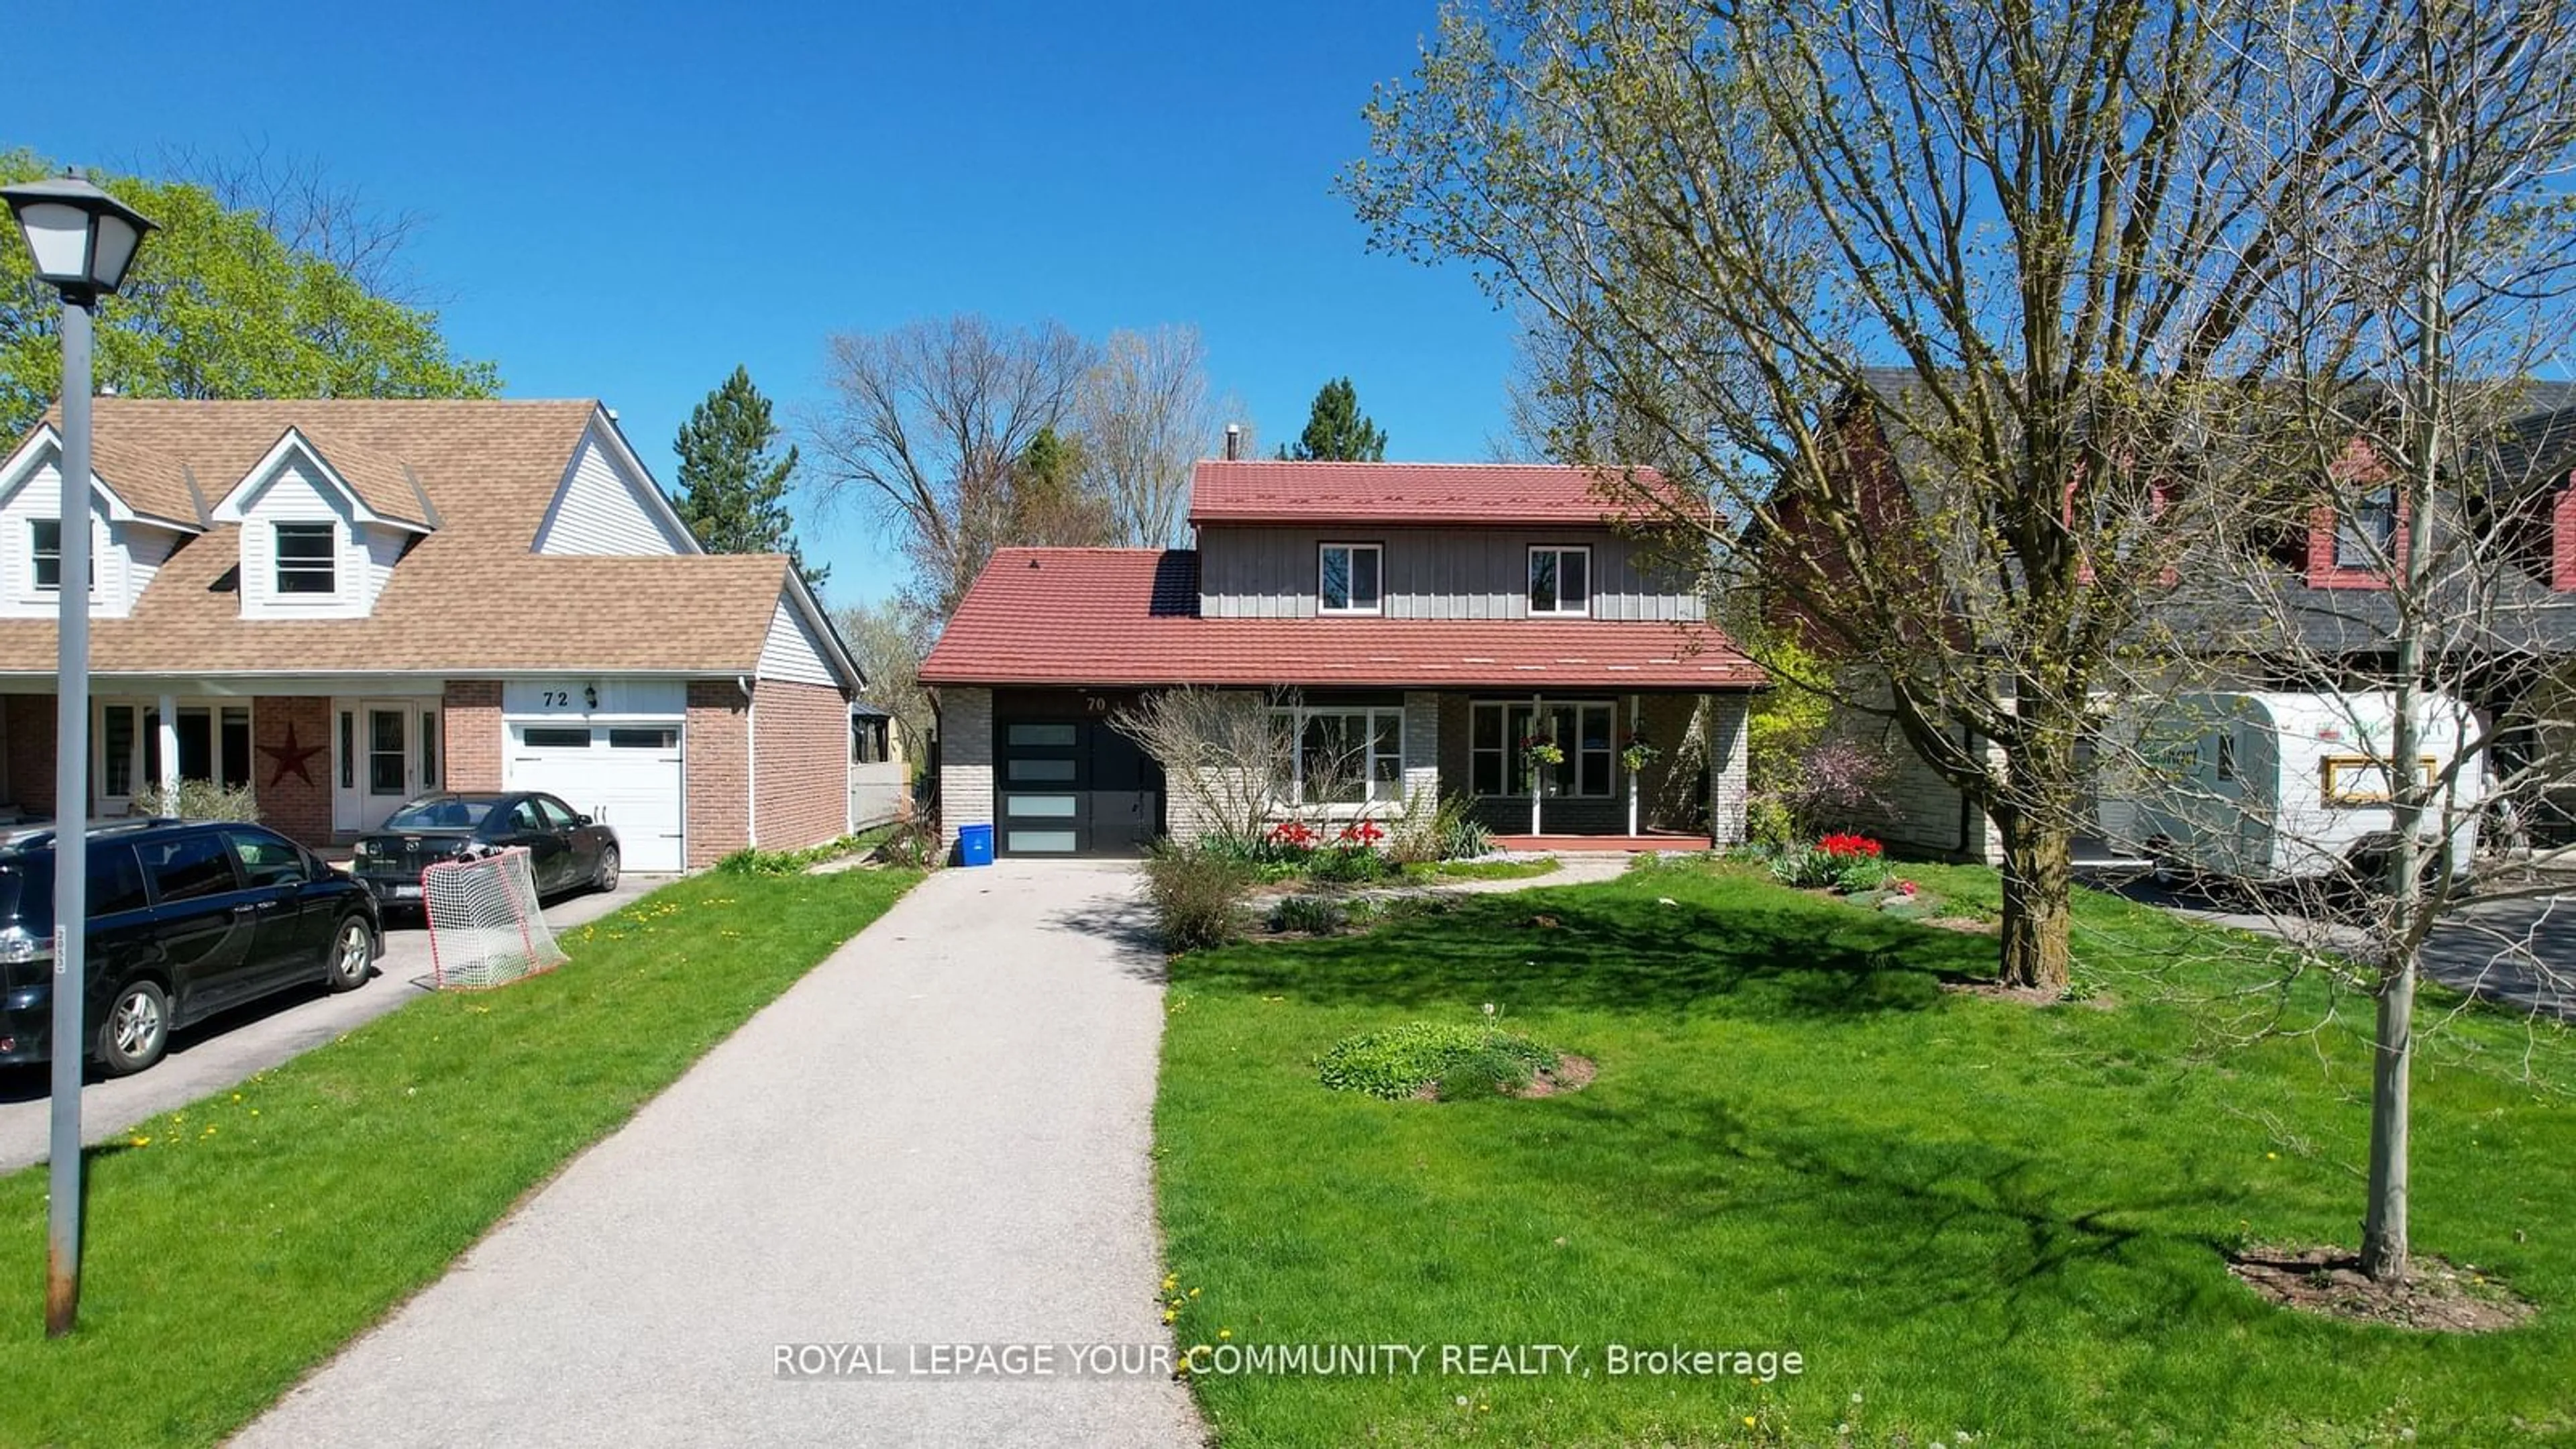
x: 626, y: 201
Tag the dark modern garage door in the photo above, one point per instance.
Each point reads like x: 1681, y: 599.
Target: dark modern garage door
x: 1074, y: 787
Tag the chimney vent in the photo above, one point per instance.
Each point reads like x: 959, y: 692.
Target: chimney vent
x: 1233, y: 441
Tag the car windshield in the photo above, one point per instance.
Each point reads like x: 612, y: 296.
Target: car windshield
x: 448, y: 814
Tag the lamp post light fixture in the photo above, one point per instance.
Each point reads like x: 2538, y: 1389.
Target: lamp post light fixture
x: 83, y: 241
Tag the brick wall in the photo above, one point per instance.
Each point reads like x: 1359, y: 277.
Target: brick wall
x: 2562, y: 540
x: 801, y: 759
x: 965, y: 760
x: 719, y: 759
x: 473, y: 740
x: 29, y: 728
x: 1727, y: 739
x: 298, y: 807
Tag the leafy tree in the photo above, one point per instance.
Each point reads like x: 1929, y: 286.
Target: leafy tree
x: 733, y: 483
x: 889, y: 640
x: 1336, y: 429
x: 219, y: 307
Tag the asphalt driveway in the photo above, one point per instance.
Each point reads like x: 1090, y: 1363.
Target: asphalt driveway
x: 213, y: 1055
x: 2517, y: 952
x: 941, y: 1136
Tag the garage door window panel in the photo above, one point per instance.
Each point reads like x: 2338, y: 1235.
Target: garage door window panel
x: 555, y: 737
x: 643, y: 739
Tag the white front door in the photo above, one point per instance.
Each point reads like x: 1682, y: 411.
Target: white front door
x: 374, y: 766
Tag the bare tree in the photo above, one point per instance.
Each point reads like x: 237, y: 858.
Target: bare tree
x: 889, y: 642
x: 2042, y: 218
x: 2412, y: 318
x: 1227, y: 758
x: 314, y: 213
x: 927, y: 426
x: 1145, y: 416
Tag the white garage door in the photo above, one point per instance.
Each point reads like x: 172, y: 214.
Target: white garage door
x: 626, y: 777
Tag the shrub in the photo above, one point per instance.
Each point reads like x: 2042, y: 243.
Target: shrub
x: 751, y: 861
x: 1462, y: 835
x: 1351, y: 864
x: 199, y: 800
x: 1400, y: 1061
x: 1313, y: 915
x: 1197, y: 894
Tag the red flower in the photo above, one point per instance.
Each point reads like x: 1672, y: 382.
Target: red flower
x: 1366, y: 832
x: 1293, y: 832
x: 1846, y: 846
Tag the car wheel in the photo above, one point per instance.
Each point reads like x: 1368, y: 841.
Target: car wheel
x: 605, y: 878
x: 353, y: 952
x: 136, y: 1029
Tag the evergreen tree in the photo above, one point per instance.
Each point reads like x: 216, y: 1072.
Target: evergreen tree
x: 1337, y: 431
x: 733, y: 485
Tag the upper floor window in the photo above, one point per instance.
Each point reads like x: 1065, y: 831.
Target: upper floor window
x: 308, y: 558
x: 1560, y: 580
x: 45, y: 535
x: 1350, y: 578
x: 2365, y: 531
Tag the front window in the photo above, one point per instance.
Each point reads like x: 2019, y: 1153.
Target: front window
x: 1500, y: 740
x: 1560, y: 580
x: 1350, y: 578
x: 1342, y: 755
x: 2365, y: 531
x: 307, y: 558
x: 45, y: 541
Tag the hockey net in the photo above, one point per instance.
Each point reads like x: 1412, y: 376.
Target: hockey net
x: 485, y: 929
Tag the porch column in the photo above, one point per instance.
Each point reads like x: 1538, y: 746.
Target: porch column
x: 1636, y: 722
x: 1538, y: 721
x: 169, y: 780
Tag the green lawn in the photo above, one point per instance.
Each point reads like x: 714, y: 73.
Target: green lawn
x: 234, y: 1245
x: 1964, y: 1214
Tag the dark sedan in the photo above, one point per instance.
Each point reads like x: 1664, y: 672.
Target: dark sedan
x: 567, y: 850
x: 186, y: 920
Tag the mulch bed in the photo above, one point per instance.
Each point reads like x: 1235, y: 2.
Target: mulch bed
x: 1571, y: 1074
x: 2434, y: 1296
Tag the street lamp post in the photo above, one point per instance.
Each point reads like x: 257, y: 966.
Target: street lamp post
x: 83, y: 240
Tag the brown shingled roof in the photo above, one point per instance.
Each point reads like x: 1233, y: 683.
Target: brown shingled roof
x: 468, y: 596
x: 152, y: 483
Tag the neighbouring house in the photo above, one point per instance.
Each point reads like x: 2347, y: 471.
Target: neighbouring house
x: 341, y: 604
x: 880, y: 775
x: 1431, y: 618
x: 2307, y: 613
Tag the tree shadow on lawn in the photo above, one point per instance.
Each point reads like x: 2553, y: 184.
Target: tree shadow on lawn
x: 1592, y: 949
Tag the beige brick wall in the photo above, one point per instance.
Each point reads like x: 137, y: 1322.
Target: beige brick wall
x: 801, y: 764
x: 1727, y: 738
x: 719, y: 760
x: 965, y: 760
x: 472, y: 737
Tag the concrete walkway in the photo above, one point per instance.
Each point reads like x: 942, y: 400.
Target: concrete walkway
x: 940, y: 1136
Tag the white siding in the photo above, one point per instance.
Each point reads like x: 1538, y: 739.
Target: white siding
x: 110, y: 544
x: 295, y: 493
x: 601, y: 509
x: 791, y: 651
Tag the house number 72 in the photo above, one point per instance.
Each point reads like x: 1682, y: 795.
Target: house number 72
x: 557, y: 698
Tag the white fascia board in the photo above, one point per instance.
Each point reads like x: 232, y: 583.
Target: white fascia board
x: 294, y: 444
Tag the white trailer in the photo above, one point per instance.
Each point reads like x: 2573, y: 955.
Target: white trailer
x: 2273, y: 786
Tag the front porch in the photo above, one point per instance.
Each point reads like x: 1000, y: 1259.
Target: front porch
x: 1651, y: 841
x: 321, y: 767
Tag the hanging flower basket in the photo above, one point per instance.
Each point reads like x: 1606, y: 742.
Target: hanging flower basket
x: 1639, y: 753
x: 1540, y: 750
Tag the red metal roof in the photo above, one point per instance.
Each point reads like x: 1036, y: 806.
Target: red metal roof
x: 1112, y: 616
x: 1494, y: 493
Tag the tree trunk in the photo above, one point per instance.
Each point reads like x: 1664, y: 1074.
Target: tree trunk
x: 2383, y: 1231
x: 2039, y: 877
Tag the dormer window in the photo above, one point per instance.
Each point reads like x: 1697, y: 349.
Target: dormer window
x: 1560, y: 580
x: 308, y: 558
x: 45, y: 541
x: 1350, y: 578
x: 2366, y: 530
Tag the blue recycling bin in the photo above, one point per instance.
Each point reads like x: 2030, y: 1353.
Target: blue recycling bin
x: 974, y: 845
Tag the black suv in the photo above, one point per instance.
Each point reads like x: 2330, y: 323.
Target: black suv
x: 186, y: 919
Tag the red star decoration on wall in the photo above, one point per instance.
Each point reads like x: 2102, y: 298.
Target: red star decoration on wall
x: 290, y: 756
